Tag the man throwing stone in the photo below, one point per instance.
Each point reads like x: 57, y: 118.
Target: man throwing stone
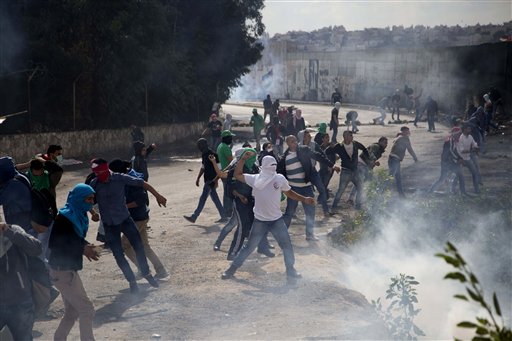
x: 266, y: 189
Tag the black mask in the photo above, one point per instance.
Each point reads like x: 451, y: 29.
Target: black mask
x: 227, y: 139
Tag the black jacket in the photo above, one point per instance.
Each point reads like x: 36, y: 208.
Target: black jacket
x: 304, y: 154
x: 350, y: 161
x: 67, y: 247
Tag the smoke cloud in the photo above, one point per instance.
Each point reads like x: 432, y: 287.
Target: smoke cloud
x: 407, y: 244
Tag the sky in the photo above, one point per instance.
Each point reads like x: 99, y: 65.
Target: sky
x: 281, y: 16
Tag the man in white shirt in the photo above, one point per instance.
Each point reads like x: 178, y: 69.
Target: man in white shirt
x: 466, y: 147
x: 266, y: 189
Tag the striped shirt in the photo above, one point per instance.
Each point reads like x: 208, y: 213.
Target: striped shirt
x: 294, y: 171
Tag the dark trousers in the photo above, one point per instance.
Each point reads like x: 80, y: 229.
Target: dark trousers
x: 245, y: 217
x: 430, y: 119
x: 394, y: 170
x: 446, y: 172
x: 226, y: 200
x: 113, y: 237
x: 19, y: 319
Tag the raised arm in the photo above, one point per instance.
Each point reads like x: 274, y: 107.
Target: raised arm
x: 220, y: 174
x: 239, y: 174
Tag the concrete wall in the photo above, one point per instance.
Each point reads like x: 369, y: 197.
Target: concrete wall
x: 449, y: 75
x: 78, y: 144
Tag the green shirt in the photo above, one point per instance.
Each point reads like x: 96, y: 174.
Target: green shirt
x: 257, y: 122
x: 224, y: 153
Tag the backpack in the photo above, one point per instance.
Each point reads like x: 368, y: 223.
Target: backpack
x: 44, y: 206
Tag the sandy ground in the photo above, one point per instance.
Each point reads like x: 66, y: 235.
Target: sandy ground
x: 258, y: 303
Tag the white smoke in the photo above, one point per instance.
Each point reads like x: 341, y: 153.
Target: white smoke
x: 407, y: 245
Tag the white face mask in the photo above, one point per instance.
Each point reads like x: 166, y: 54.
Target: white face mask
x: 269, y: 149
x: 59, y: 158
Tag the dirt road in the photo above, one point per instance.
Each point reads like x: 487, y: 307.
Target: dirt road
x: 259, y: 303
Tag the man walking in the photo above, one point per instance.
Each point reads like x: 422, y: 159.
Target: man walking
x: 225, y: 157
x: 333, y: 124
x: 397, y: 154
x: 348, y: 151
x: 267, y: 187
x: 258, y: 123
x: 467, y: 148
x: 431, y: 110
x: 210, y: 183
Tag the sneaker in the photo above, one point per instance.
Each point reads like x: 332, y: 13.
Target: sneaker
x: 350, y: 202
x: 161, y: 275
x: 312, y: 238
x: 216, y: 247
x: 267, y: 253
x: 230, y: 272
x: 152, y: 281
x: 134, y: 288
x: 328, y: 214
x: 292, y: 273
x: 190, y: 218
x: 271, y: 246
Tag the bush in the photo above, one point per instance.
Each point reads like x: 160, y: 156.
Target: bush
x: 400, y: 313
x: 485, y: 330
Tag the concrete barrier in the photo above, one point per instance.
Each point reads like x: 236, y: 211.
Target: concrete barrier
x: 77, y: 144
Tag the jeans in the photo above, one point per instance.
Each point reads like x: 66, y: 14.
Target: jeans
x: 347, y: 175
x: 258, y: 231
x: 321, y: 188
x: 76, y: 305
x: 325, y: 175
x: 394, y: 170
x: 395, y: 108
x: 364, y: 174
x: 212, y: 192
x: 19, y: 319
x: 142, y: 227
x: 417, y: 118
x: 430, y: 119
x: 474, y: 174
x: 446, y: 172
x: 291, y: 207
x: 214, y: 142
x: 113, y: 237
x: 227, y: 202
x: 231, y: 224
x: 257, y: 137
x: 382, y: 118
x: 334, y: 134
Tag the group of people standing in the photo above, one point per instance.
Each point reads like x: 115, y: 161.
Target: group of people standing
x: 256, y: 180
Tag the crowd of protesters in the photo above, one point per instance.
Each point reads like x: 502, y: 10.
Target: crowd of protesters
x: 288, y: 163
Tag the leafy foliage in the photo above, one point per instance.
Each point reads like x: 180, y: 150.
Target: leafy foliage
x: 363, y: 224
x: 484, y: 329
x: 179, y: 55
x: 400, y: 313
